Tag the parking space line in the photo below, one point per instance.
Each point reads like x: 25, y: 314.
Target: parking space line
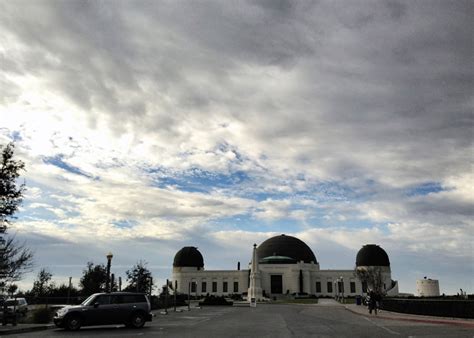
x: 382, y: 327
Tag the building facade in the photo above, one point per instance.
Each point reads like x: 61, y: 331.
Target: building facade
x: 427, y: 287
x: 281, y: 265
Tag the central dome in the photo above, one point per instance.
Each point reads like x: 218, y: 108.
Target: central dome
x: 284, y: 250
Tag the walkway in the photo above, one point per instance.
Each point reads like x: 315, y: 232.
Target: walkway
x: 362, y: 310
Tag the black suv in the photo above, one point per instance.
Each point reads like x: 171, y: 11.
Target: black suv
x: 131, y: 309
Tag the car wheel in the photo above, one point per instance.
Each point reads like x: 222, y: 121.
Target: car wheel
x: 73, y: 323
x: 137, y: 320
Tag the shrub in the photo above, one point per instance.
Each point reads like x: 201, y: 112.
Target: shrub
x: 213, y: 300
x: 236, y: 296
x: 43, y: 315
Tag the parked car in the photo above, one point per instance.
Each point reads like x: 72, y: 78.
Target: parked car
x: 131, y: 309
x: 19, y: 305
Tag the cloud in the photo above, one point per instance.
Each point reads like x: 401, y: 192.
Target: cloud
x: 350, y: 120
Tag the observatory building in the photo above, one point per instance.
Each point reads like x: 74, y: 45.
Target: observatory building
x: 280, y: 265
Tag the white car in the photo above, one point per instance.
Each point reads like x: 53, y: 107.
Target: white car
x: 19, y: 305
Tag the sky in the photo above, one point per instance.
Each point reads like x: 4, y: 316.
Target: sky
x: 146, y: 126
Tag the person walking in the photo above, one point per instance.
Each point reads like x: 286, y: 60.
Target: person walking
x: 372, y: 302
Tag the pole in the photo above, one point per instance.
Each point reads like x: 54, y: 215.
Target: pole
x: 69, y: 290
x: 166, y: 297
x: 174, y: 293
x: 120, y: 283
x: 342, y: 289
x: 109, y: 263
x: 112, y: 281
x: 151, y: 285
x: 189, y: 296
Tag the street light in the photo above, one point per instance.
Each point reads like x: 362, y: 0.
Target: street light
x: 109, y: 256
x: 342, y: 288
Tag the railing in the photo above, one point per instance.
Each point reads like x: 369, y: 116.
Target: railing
x: 430, y: 307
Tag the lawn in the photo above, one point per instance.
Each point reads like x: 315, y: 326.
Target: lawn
x: 298, y: 301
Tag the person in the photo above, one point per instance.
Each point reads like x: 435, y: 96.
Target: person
x: 372, y: 302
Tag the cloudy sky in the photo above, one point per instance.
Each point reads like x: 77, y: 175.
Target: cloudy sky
x: 149, y: 126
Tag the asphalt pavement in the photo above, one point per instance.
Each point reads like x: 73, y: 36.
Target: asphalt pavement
x: 327, y: 319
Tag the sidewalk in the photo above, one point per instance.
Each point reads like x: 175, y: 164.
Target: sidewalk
x: 382, y: 314
x: 22, y: 328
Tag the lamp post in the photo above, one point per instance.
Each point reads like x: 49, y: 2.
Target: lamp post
x: 342, y: 289
x: 69, y: 290
x: 109, y: 263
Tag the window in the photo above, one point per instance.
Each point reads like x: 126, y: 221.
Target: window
x: 127, y: 299
x: 203, y: 287
x: 214, y: 286
x: 329, y: 287
x: 102, y: 300
x: 193, y: 286
x: 236, y: 286
x: 318, y: 287
x: 353, y: 287
x: 364, y: 287
x: 224, y: 287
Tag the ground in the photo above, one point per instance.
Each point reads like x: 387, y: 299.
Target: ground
x: 271, y: 320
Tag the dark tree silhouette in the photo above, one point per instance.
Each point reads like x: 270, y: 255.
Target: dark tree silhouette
x: 42, y: 284
x: 11, y: 194
x: 94, y: 279
x: 139, y: 278
x: 15, y: 258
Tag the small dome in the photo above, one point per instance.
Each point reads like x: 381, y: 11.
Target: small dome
x: 284, y: 250
x: 372, y: 255
x: 188, y: 256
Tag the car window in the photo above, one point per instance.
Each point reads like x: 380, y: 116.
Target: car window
x: 102, y: 300
x: 127, y: 299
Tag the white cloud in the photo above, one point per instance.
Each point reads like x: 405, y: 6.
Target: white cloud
x: 330, y: 113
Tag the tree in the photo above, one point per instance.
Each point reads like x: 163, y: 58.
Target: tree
x: 42, y: 285
x: 15, y: 258
x: 63, y: 291
x: 12, y: 289
x: 372, y: 276
x: 94, y: 279
x: 11, y: 195
x: 139, y: 278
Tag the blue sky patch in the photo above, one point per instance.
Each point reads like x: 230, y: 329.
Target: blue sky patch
x: 59, y: 162
x: 425, y: 189
x: 197, y: 180
x: 124, y: 223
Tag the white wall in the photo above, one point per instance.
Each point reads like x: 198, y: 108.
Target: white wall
x: 290, y: 278
x: 427, y: 287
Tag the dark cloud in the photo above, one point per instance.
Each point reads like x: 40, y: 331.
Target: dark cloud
x: 332, y: 91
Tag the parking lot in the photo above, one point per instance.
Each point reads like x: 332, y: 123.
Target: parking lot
x: 269, y: 320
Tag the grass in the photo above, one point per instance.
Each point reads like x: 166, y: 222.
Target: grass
x: 349, y: 301
x: 298, y: 301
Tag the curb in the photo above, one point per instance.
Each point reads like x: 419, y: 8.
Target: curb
x: 16, y: 330
x: 419, y: 320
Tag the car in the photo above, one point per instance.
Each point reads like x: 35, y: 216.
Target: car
x: 128, y: 308
x: 18, y: 305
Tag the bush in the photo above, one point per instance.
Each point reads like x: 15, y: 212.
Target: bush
x: 213, y: 300
x: 236, y: 296
x: 43, y: 315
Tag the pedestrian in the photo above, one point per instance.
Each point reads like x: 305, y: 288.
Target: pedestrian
x: 372, y: 302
